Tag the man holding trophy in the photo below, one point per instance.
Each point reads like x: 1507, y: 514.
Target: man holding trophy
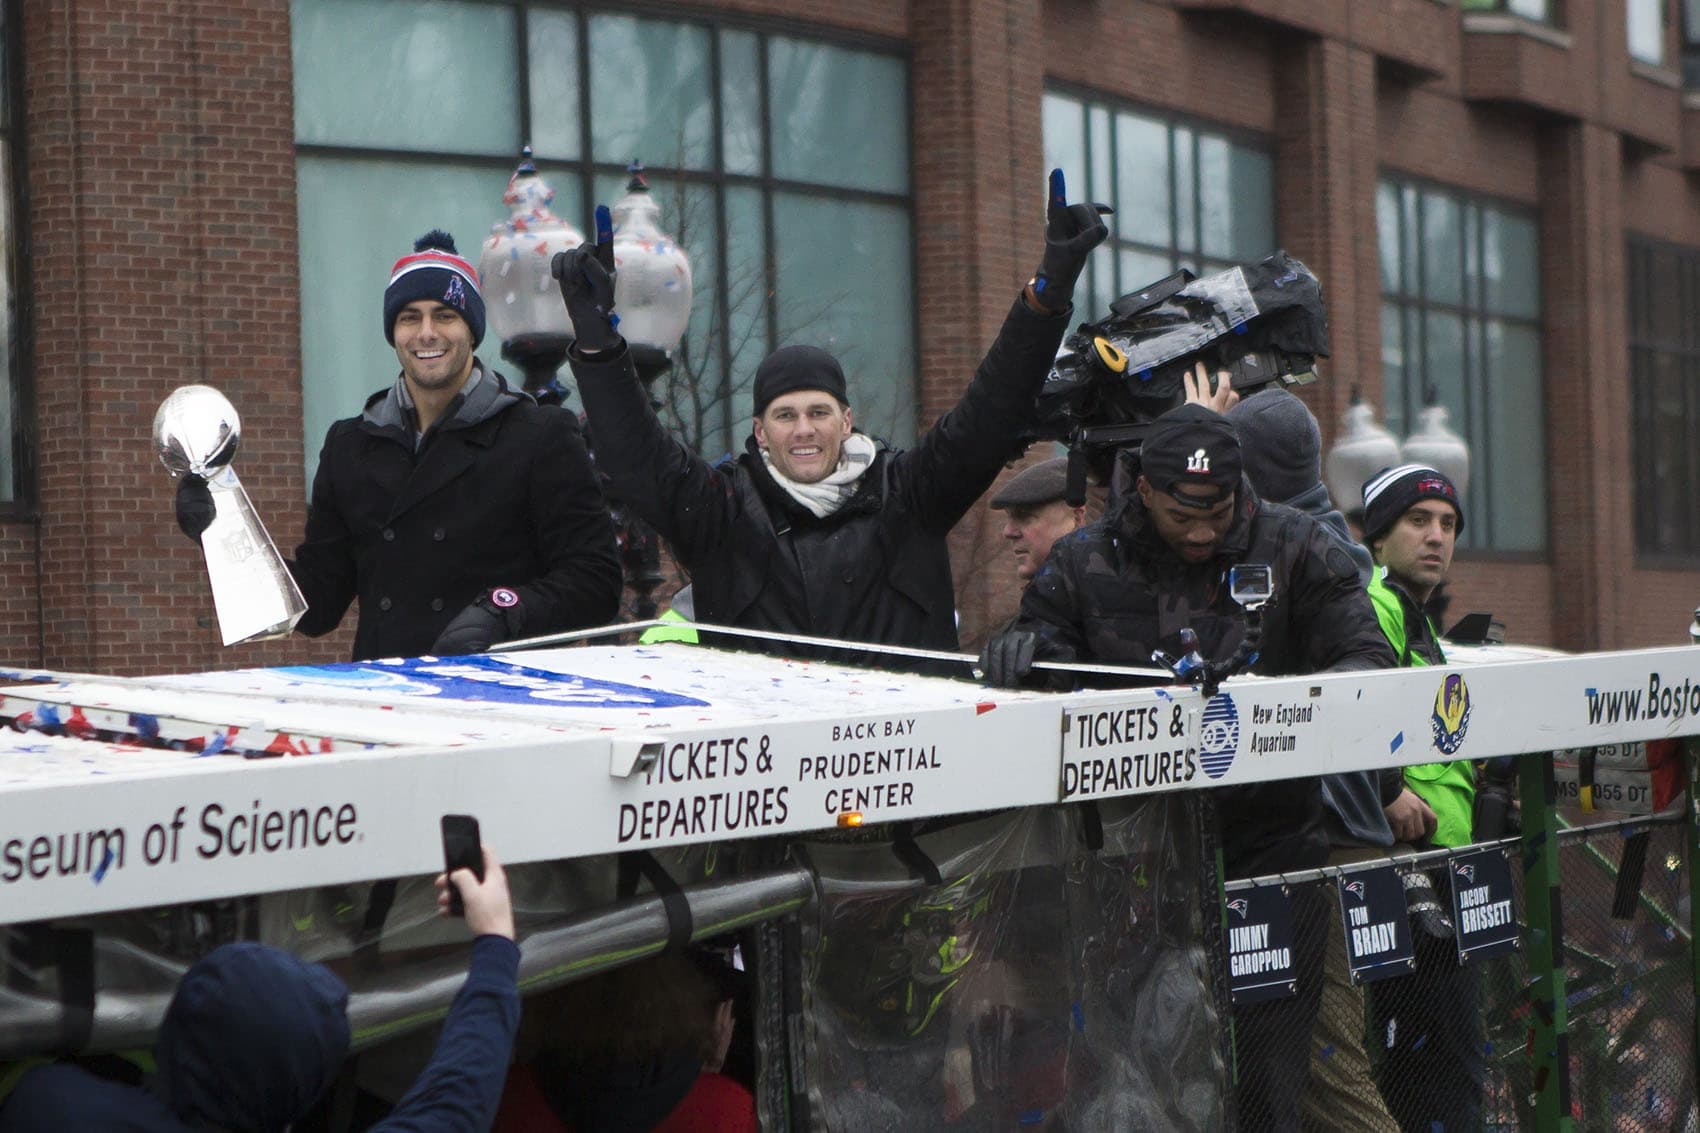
x: 459, y: 511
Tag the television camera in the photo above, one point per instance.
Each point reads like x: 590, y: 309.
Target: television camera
x: 1261, y: 323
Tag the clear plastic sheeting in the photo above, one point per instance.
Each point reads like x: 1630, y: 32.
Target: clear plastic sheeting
x: 1041, y: 983
x: 390, y: 952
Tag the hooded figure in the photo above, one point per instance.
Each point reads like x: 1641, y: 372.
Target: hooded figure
x: 253, y: 1037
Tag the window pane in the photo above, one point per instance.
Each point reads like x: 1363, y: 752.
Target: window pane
x: 1510, y: 266
x: 1516, y: 445
x: 1186, y: 188
x: 740, y: 102
x: 1099, y: 185
x: 1647, y: 30
x: 1139, y: 268
x: 1065, y: 138
x: 1443, y: 265
x: 1394, y: 370
x: 1533, y: 9
x: 746, y: 302
x: 357, y: 216
x: 1443, y: 364
x: 1251, y: 217
x: 422, y: 84
x: 840, y: 117
x: 1387, y: 235
x: 649, y: 96
x: 1142, y: 180
x: 851, y: 295
x: 552, y: 50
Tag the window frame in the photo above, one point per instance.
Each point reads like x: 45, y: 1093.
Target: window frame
x: 585, y: 169
x: 1244, y: 137
x: 1472, y: 308
x: 1641, y: 342
x: 24, y: 504
x: 1553, y: 19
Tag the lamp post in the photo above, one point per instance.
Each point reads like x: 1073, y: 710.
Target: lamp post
x: 652, y: 292
x: 1365, y: 448
x: 523, y: 300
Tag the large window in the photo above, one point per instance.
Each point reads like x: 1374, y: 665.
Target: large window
x: 1664, y: 376
x: 14, y: 403
x: 1184, y: 196
x: 780, y: 163
x: 1460, y: 322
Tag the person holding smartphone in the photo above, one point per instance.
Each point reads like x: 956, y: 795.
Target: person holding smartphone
x: 253, y: 1039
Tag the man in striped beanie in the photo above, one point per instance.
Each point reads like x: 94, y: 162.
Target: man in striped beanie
x: 455, y: 509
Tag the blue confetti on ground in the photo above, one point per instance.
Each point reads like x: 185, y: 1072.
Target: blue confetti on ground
x: 1079, y: 1018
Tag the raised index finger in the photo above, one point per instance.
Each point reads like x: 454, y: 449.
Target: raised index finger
x: 605, y: 237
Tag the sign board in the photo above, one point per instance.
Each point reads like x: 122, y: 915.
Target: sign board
x: 1378, y: 934
x: 1484, y: 904
x: 1260, y: 943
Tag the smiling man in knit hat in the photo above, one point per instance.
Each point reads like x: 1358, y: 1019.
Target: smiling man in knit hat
x: 459, y: 511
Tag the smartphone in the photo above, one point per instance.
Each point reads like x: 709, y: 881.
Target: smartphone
x: 462, y: 849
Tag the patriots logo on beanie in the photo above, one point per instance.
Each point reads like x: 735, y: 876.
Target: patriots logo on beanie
x: 434, y: 271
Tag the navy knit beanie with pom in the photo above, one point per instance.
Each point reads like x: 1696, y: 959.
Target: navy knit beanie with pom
x: 434, y: 271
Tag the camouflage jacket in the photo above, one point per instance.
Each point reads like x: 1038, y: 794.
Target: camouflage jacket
x: 1114, y: 592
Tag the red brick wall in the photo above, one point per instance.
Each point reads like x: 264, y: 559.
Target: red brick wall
x: 162, y: 212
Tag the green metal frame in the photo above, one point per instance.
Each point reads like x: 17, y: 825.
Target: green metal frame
x: 1543, y: 945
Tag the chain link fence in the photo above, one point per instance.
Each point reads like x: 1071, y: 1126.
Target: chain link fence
x: 1445, y: 1048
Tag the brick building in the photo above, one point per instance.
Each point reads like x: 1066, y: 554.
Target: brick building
x: 1497, y: 195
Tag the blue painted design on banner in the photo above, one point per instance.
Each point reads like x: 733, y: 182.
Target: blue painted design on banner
x: 1219, y: 735
x: 487, y: 679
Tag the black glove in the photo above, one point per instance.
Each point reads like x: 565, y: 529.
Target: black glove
x: 586, y: 275
x: 194, y: 506
x: 1071, y: 232
x: 492, y: 617
x: 1008, y: 658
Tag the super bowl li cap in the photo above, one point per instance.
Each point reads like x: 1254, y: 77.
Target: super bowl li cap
x: 1191, y: 445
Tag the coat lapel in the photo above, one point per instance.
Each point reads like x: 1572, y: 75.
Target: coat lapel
x: 446, y: 458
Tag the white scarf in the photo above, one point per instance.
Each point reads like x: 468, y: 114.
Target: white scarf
x: 827, y: 495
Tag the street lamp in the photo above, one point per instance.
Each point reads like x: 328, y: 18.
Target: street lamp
x: 1365, y: 448
x: 652, y: 293
x: 522, y: 297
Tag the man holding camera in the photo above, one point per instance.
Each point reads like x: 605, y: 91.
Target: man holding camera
x: 1157, y: 565
x: 1434, y: 1066
x: 819, y: 529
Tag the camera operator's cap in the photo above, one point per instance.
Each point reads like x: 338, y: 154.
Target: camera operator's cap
x: 1392, y: 492
x: 1037, y: 486
x: 793, y: 368
x: 1192, y: 445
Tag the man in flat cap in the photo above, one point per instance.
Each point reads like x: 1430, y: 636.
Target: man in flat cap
x: 817, y: 528
x: 1157, y: 564
x: 1035, y: 514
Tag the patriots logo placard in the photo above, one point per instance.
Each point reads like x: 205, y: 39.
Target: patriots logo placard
x: 1240, y: 905
x: 1467, y: 872
x: 1355, y: 888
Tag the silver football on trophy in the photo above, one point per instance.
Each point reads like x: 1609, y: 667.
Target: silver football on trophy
x: 196, y: 430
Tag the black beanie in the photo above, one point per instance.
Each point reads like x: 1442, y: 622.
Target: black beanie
x: 1392, y: 492
x: 434, y: 271
x: 793, y: 368
x: 1280, y: 444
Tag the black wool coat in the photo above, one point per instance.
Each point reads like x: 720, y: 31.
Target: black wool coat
x: 1114, y: 591
x: 877, y: 569
x: 507, y: 499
